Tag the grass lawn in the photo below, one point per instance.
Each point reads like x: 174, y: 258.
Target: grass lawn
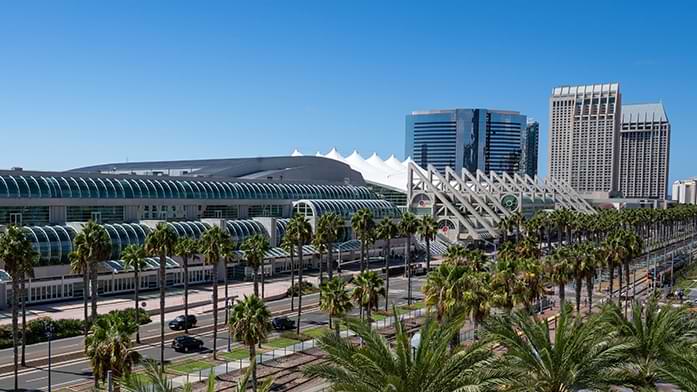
x: 378, y: 316
x: 280, y: 342
x: 190, y: 366
x: 236, y: 354
x: 415, y: 305
x: 316, y: 332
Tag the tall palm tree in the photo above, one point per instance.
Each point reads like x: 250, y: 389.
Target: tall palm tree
x: 530, y: 282
x: 301, y: 231
x: 584, y: 264
x: 319, y: 241
x: 160, y: 243
x: 250, y: 324
x: 443, y: 290
x: 335, y: 300
x: 80, y: 265
x: 15, y: 249
x: 407, y: 228
x: 133, y: 257
x: 362, y: 224
x: 187, y: 249
x: 108, y: 347
x: 577, y: 357
x: 368, y: 290
x: 477, y: 298
x: 651, y: 332
x: 633, y: 248
x: 378, y: 365
x: 255, y: 248
x: 456, y: 254
x: 227, y: 252
x: 427, y: 229
x: 386, y: 230
x: 614, y: 256
x: 26, y: 272
x: 333, y: 225
x: 97, y: 246
x: 212, y: 242
x: 289, y: 246
x: 559, y: 269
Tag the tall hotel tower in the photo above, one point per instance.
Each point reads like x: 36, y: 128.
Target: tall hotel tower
x: 584, y: 133
x: 644, y: 151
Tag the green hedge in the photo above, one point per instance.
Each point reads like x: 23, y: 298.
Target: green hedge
x: 308, y: 288
x: 64, y: 328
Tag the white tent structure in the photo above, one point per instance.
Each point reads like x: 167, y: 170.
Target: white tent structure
x: 390, y: 173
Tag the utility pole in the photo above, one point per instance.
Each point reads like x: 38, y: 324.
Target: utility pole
x: 49, y: 334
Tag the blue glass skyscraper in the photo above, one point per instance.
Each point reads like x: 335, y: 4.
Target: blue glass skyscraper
x: 484, y: 139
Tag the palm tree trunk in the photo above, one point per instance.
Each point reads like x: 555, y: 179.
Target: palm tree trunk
x: 255, y: 278
x: 562, y: 294
x: 321, y: 273
x: 86, y: 284
x: 292, y: 280
x: 428, y: 254
x: 626, y: 276
x: 23, y: 293
x: 95, y: 290
x: 362, y: 256
x: 387, y: 273
x: 330, y: 261
x: 137, y: 289
x: 611, y: 270
x: 263, y: 278
x: 163, y: 281
x: 579, y: 287
x: 300, y: 286
x: 589, y: 292
x: 253, y: 364
x: 186, y: 293
x: 227, y: 297
x: 15, y: 331
x: 619, y: 295
x: 215, y: 315
x: 408, y: 270
x: 337, y: 327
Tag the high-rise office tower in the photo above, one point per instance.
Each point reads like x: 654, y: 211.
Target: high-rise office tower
x: 644, y: 151
x: 583, y: 146
x: 529, y: 144
x: 488, y: 140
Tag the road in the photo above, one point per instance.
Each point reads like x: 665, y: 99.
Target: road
x: 79, y: 370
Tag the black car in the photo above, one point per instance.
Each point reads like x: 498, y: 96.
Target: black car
x: 282, y: 323
x: 186, y: 343
x: 182, y: 322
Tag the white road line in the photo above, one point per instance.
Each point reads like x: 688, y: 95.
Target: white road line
x: 36, y: 379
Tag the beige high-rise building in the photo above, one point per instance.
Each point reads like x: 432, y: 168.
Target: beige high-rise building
x: 644, y: 151
x: 583, y: 147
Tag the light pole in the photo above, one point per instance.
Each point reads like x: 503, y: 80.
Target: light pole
x: 49, y: 335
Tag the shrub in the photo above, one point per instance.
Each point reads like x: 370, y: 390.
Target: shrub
x: 130, y: 314
x: 308, y: 288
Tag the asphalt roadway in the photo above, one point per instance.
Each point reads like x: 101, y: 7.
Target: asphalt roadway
x: 79, y: 370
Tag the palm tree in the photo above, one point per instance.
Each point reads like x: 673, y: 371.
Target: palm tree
x: 584, y: 265
x: 108, y: 347
x: 614, y: 252
x: 255, y: 248
x: 504, y: 282
x: 386, y: 230
x: 680, y: 369
x: 633, y: 248
x: 80, y: 265
x: 427, y: 230
x: 577, y: 357
x: 651, y: 332
x: 289, y: 246
x: 97, y: 246
x: 443, y: 290
x: 407, y: 228
x: 456, y: 254
x: 134, y: 258
x: 227, y: 252
x: 160, y: 243
x: 15, y: 250
x: 530, y: 282
x: 333, y: 225
x: 212, y: 243
x: 335, y: 300
x: 301, y: 232
x: 26, y: 272
x: 187, y: 249
x: 368, y: 290
x: 378, y: 365
x: 362, y: 224
x: 559, y: 270
x: 477, y: 298
x: 319, y: 241
x: 249, y: 324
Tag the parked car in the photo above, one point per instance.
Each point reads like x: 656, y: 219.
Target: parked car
x: 182, y: 322
x: 186, y: 343
x: 282, y: 323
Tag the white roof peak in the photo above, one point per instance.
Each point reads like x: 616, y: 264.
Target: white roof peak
x: 296, y: 153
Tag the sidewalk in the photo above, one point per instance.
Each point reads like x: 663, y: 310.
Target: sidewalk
x: 199, y: 300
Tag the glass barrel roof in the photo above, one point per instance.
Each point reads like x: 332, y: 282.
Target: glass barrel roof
x: 346, y: 208
x: 83, y: 186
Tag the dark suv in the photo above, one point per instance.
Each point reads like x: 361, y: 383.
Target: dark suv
x: 282, y: 323
x: 186, y: 343
x: 182, y: 322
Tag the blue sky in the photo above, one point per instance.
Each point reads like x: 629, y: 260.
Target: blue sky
x: 91, y: 82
